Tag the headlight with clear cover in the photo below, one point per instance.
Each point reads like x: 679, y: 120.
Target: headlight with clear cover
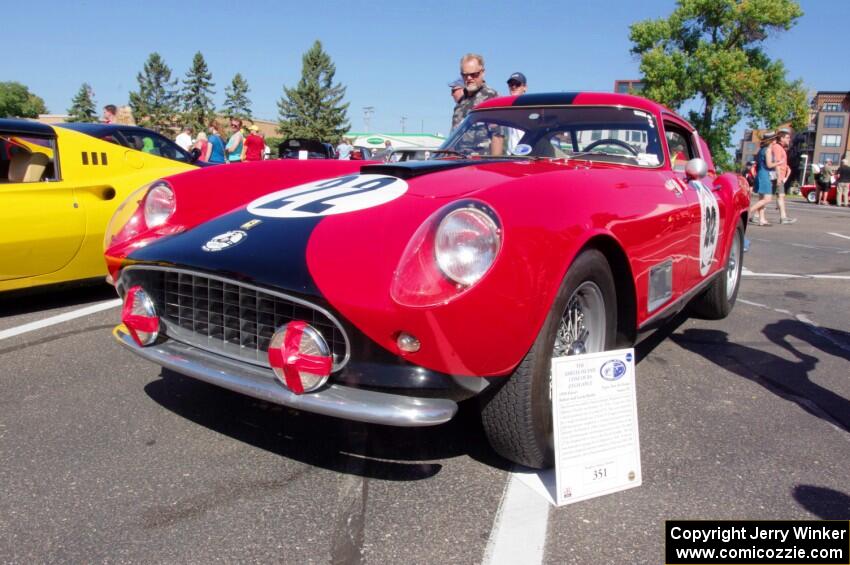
x: 448, y: 254
x: 466, y: 244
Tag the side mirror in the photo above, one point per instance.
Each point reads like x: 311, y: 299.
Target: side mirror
x: 696, y: 169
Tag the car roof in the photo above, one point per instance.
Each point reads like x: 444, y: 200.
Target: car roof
x: 577, y: 99
x: 96, y: 129
x: 18, y: 126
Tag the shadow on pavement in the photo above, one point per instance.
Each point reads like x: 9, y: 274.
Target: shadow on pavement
x: 787, y: 379
x: 834, y: 342
x: 825, y: 503
x: 38, y: 299
x: 368, y: 450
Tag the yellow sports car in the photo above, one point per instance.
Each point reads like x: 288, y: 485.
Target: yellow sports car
x: 59, y: 188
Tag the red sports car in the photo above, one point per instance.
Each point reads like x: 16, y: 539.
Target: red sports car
x: 809, y: 192
x: 548, y: 225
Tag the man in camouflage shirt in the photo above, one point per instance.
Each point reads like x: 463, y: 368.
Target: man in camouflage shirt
x: 476, y: 92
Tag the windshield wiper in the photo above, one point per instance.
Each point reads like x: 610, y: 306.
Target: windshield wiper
x: 581, y: 154
x: 483, y: 155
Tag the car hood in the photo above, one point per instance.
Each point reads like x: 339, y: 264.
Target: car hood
x: 273, y: 239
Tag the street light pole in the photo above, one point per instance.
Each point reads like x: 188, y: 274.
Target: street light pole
x: 805, y: 158
x: 367, y: 117
x: 403, y: 119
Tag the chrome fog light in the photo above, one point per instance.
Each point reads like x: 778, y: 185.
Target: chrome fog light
x: 300, y: 357
x: 139, y: 315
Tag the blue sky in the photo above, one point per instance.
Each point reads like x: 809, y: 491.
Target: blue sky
x: 396, y: 56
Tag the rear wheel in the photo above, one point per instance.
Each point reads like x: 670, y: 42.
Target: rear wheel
x: 517, y: 417
x: 719, y: 298
x: 812, y: 196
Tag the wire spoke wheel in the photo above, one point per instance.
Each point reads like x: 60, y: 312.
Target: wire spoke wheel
x: 733, y: 270
x: 517, y: 415
x: 582, y: 327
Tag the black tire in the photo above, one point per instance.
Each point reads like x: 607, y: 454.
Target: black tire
x: 517, y: 416
x: 719, y: 298
x: 812, y: 196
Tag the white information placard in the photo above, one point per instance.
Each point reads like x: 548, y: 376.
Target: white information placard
x: 594, y: 412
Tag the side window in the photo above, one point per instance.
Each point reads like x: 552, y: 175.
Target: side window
x: 27, y: 159
x: 680, y: 145
x: 155, y: 144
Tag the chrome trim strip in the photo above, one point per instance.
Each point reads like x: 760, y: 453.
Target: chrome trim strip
x: 334, y: 400
x: 337, y: 366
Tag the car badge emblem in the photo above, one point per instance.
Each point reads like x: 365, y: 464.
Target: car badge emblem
x: 224, y: 241
x: 250, y: 224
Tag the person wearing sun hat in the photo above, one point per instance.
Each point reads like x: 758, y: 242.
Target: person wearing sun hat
x: 254, y: 145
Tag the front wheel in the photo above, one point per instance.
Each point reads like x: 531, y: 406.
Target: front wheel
x: 517, y: 417
x: 812, y: 196
x: 719, y: 298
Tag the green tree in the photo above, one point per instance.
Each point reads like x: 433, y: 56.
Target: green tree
x: 236, y: 101
x: 314, y: 108
x: 83, y: 108
x: 155, y: 104
x: 709, y: 52
x: 16, y: 101
x: 198, y: 108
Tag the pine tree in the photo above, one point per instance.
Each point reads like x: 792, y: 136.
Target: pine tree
x: 198, y: 108
x: 314, y: 108
x: 236, y: 102
x: 155, y: 104
x: 83, y: 108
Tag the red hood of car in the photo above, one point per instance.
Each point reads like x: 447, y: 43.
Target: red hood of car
x: 208, y: 193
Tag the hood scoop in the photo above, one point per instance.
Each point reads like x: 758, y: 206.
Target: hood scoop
x: 411, y: 169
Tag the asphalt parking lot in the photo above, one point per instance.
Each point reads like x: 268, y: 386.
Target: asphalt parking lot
x: 105, y: 457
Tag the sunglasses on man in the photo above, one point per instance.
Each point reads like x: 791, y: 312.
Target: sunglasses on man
x: 474, y: 75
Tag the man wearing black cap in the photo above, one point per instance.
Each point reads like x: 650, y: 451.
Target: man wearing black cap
x: 517, y: 85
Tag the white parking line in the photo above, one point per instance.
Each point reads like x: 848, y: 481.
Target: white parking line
x: 519, y: 530
x: 748, y: 273
x: 58, y: 319
x: 838, y: 234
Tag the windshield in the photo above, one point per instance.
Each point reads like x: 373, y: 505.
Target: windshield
x: 612, y: 134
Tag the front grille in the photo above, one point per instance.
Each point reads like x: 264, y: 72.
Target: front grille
x: 227, y: 317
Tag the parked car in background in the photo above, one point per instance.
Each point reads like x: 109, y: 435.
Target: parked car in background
x: 138, y: 138
x: 389, y: 292
x: 360, y: 153
x: 306, y: 149
x: 58, y: 189
x: 809, y: 192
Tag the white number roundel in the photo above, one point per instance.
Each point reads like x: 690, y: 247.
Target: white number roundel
x: 329, y: 196
x: 709, y: 226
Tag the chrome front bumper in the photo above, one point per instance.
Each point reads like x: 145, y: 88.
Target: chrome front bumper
x: 335, y: 400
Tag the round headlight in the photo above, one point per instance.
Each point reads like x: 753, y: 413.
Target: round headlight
x: 466, y: 244
x: 159, y: 205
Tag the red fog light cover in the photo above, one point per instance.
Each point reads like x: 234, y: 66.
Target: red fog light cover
x: 139, y: 315
x: 300, y: 357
